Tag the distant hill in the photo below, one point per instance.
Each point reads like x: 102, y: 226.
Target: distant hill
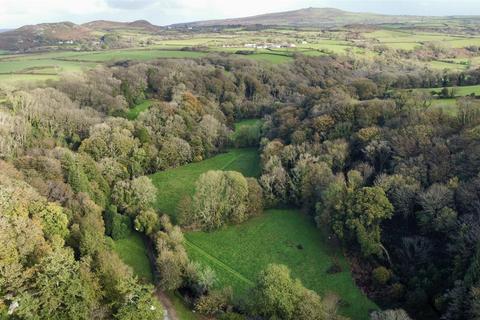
x: 44, y: 34
x: 316, y: 17
x: 32, y: 37
x: 113, y: 25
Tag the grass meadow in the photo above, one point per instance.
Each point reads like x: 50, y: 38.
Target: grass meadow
x: 134, y: 112
x: 174, y: 184
x: 133, y: 252
x: 237, y: 253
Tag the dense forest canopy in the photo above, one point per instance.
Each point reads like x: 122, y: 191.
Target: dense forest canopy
x: 394, y: 181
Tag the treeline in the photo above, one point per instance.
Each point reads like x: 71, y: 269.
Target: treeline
x: 392, y: 180
x: 396, y: 183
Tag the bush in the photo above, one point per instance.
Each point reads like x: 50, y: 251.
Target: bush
x: 255, y: 197
x: 214, y: 303
x: 247, y: 136
x: 381, y: 275
x: 121, y: 226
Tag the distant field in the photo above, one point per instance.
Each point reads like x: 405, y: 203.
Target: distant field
x: 459, y: 91
x: 16, y: 79
x: 441, y: 65
x: 450, y: 105
x: 467, y: 90
x: 174, y: 184
x: 409, y: 39
x: 237, y: 253
x: 143, y: 54
x: 43, y: 66
x: 133, y: 252
x: 268, y: 57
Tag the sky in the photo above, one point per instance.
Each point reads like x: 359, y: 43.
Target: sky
x: 15, y: 13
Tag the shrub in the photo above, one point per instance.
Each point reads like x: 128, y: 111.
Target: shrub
x: 381, y: 275
x: 121, y: 226
x: 214, y: 303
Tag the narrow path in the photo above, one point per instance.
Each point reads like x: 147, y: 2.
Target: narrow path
x: 231, y: 161
x: 219, y: 263
x: 169, y: 310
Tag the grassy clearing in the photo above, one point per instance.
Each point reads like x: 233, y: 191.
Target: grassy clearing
x: 183, y: 312
x: 447, y: 105
x: 134, y: 112
x: 247, y: 122
x: 174, y: 184
x: 19, y: 79
x: 442, y: 65
x: 238, y: 253
x: 133, y: 252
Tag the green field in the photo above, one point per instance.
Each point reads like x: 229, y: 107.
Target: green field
x: 247, y: 122
x: 466, y: 90
x: 237, y: 253
x: 44, y: 66
x: 458, y: 91
x: 268, y: 57
x: 133, y: 252
x: 134, y: 112
x: 174, y: 184
x: 141, y: 54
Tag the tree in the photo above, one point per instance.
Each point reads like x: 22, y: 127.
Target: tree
x: 133, y: 196
x: 355, y: 213
x: 214, y: 303
x: 147, y: 222
x: 172, y: 258
x: 437, y: 213
x: 274, y: 181
x: 254, y: 198
x: 370, y: 207
x: 221, y: 197
x: 277, y: 296
x: 174, y: 152
x: 365, y: 88
x: 139, y: 303
x: 54, y: 220
x: 57, y: 290
x: 398, y: 314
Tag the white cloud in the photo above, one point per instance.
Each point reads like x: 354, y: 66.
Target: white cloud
x: 130, y: 4
x: 15, y: 13
x: 19, y: 12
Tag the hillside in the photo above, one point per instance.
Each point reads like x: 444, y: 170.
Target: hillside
x: 36, y: 37
x: 44, y: 34
x: 103, y: 25
x: 322, y: 17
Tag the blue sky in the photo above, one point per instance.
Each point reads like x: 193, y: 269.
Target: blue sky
x: 14, y: 13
